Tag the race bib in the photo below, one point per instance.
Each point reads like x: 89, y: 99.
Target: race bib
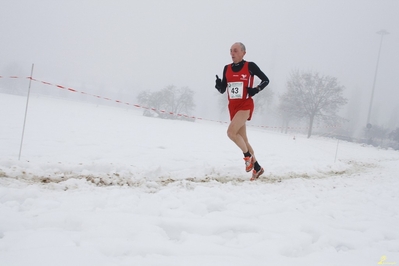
x: 235, y: 89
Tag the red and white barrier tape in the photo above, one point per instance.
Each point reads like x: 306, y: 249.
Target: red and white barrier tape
x: 14, y: 77
x: 150, y: 108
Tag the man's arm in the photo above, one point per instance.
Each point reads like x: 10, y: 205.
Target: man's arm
x: 222, y: 87
x: 255, y: 70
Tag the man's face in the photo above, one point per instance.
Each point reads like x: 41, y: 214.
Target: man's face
x: 236, y: 53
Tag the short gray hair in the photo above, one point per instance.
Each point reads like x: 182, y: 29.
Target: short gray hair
x: 242, y: 46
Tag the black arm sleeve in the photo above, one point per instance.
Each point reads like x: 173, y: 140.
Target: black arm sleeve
x: 222, y: 89
x: 255, y: 70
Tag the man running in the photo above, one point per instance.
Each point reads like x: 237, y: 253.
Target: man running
x: 238, y: 81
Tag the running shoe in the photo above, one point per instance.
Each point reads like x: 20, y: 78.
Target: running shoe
x: 255, y: 175
x: 249, y: 163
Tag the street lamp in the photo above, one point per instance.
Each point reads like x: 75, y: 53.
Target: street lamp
x: 382, y: 33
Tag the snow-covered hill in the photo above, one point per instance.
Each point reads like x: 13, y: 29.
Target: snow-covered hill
x: 100, y: 185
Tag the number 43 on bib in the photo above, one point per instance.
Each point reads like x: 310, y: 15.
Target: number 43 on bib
x: 235, y: 89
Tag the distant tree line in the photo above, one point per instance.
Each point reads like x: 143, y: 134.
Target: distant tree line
x: 309, y: 96
x: 168, y: 103
x: 382, y: 137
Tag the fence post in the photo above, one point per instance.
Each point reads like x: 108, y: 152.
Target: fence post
x: 336, y: 151
x: 26, y: 113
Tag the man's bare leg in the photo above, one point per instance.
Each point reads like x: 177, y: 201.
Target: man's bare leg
x: 237, y: 125
x: 243, y: 133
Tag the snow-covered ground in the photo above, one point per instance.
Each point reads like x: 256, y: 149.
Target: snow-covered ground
x: 100, y: 185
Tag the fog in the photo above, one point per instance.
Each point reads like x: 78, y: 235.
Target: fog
x: 124, y: 47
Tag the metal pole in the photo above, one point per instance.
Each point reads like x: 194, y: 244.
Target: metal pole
x: 382, y: 33
x: 26, y: 113
x: 336, y: 152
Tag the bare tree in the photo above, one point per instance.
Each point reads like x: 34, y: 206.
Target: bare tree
x: 312, y: 96
x: 394, y: 135
x: 287, y: 112
x: 263, y: 100
x: 170, y: 102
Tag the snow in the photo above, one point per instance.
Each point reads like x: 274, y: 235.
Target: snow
x: 102, y: 185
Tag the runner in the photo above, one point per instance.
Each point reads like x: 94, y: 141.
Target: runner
x: 238, y: 81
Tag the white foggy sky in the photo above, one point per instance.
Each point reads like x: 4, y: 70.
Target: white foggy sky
x: 150, y: 44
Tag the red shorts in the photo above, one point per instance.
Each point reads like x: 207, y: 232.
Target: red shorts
x: 241, y: 105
